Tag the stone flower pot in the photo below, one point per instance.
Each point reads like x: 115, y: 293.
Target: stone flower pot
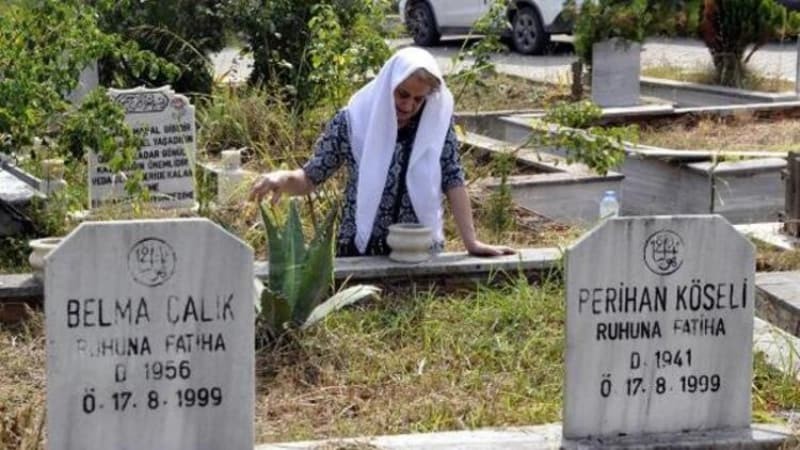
x: 410, y: 242
x: 41, y: 247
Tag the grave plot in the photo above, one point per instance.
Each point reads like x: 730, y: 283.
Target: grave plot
x: 725, y: 160
x: 688, y: 94
x: 545, y: 184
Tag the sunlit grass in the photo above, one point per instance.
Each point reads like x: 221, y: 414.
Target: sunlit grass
x: 500, y: 91
x: 414, y: 361
x: 742, y: 132
x: 752, y: 80
x: 420, y: 361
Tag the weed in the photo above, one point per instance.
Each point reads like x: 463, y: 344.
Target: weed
x: 500, y: 207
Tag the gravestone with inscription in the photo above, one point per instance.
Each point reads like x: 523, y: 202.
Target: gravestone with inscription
x: 150, y: 337
x: 165, y: 122
x: 659, y: 328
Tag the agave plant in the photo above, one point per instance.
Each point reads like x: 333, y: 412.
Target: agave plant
x: 300, y: 275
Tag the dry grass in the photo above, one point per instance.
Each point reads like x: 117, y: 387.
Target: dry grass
x: 752, y: 81
x: 22, y: 391
x: 739, y: 132
x: 503, y: 92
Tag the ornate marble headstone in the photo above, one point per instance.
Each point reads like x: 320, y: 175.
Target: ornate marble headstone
x: 150, y: 337
x: 659, y: 328
x: 165, y: 121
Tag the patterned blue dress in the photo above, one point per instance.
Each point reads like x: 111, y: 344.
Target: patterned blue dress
x: 332, y: 150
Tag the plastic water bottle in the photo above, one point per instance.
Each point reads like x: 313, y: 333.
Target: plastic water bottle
x: 609, y: 206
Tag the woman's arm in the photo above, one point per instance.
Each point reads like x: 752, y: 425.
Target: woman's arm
x: 330, y: 151
x: 462, y: 213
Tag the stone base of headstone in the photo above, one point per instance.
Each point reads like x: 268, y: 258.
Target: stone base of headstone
x: 757, y: 437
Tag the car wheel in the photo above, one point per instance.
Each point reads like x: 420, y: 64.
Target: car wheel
x: 421, y: 24
x: 527, y: 32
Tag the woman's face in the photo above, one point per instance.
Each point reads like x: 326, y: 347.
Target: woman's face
x: 409, y: 97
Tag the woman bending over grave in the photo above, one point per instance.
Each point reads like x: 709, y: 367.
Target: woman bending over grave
x: 397, y: 140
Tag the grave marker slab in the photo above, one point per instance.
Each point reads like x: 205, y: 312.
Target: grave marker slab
x: 659, y: 328
x: 166, y: 123
x: 150, y: 337
x: 616, y: 66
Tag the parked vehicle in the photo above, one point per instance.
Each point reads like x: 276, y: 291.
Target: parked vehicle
x: 531, y: 22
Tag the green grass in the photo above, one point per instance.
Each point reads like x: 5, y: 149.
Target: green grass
x: 418, y: 362
x: 415, y: 361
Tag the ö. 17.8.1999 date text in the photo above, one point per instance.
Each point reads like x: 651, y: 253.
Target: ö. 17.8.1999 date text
x: 152, y: 399
x: 685, y: 383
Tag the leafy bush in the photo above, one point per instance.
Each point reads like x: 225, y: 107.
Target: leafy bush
x: 279, y: 34
x: 676, y: 17
x: 45, y: 46
x: 180, y: 31
x: 338, y: 63
x: 733, y: 30
x: 572, y: 128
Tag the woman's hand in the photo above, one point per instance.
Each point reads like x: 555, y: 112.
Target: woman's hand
x: 478, y: 248
x: 267, y: 183
x: 292, y: 182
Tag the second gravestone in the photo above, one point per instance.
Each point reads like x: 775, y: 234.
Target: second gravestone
x: 150, y: 338
x: 165, y: 122
x: 659, y: 328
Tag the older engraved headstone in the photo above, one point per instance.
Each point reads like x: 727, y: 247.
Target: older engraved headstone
x: 150, y: 337
x: 659, y: 328
x: 165, y: 122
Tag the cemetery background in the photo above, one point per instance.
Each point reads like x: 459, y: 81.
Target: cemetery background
x: 386, y: 367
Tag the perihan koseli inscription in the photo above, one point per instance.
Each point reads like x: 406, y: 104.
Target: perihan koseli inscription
x: 150, y: 338
x: 659, y: 328
x: 165, y: 121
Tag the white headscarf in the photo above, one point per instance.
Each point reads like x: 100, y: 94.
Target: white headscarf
x: 373, y: 136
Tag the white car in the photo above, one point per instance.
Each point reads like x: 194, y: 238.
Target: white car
x: 531, y: 21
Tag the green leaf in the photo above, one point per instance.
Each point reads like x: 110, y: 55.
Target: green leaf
x: 294, y: 252
x: 275, y: 310
x: 277, y: 258
x: 318, y: 274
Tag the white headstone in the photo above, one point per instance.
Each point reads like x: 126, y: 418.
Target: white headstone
x: 659, y: 327
x: 616, y: 65
x: 166, y: 123
x: 150, y: 338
